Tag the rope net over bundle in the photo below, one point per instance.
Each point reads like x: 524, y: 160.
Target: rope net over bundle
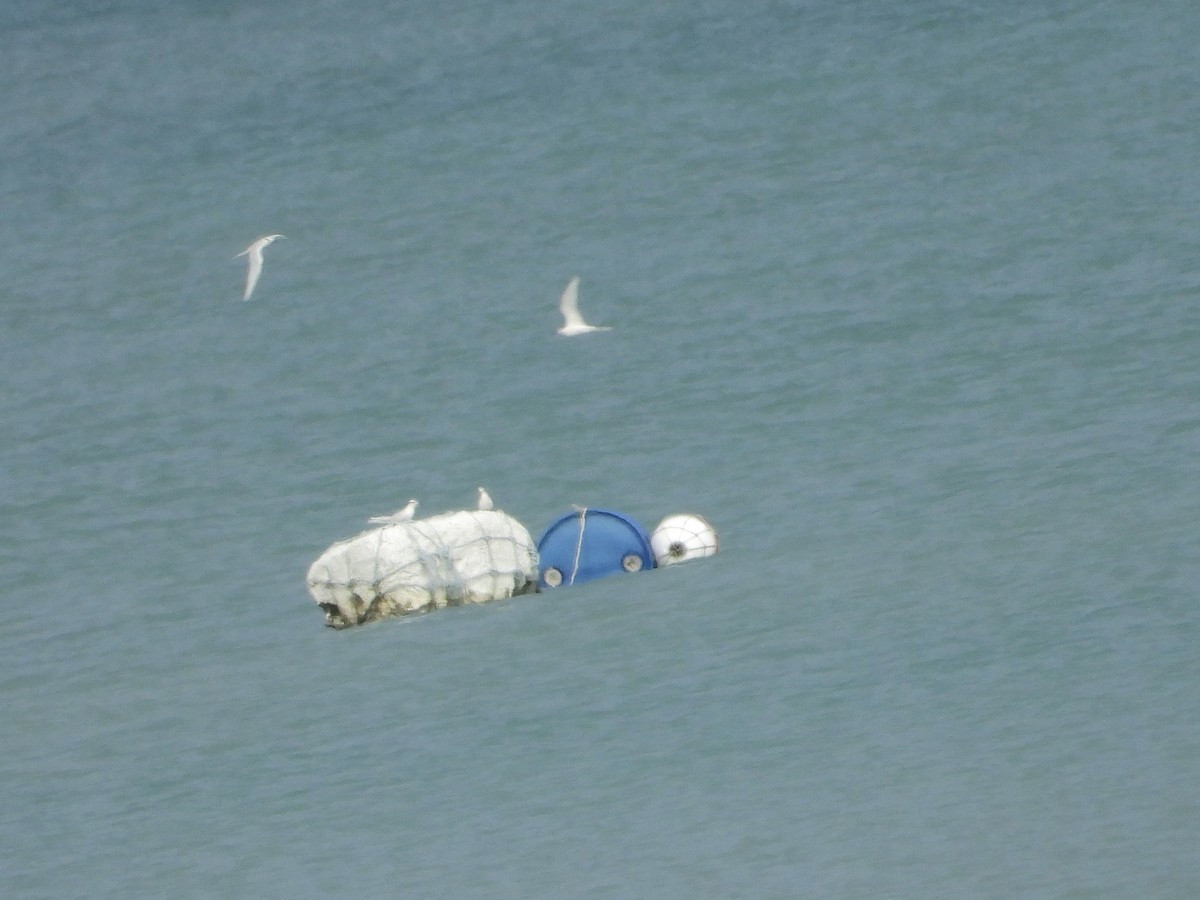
x: 471, y: 556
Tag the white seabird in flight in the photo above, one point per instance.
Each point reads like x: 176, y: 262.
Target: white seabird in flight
x: 568, y: 305
x: 401, y: 515
x: 254, y: 256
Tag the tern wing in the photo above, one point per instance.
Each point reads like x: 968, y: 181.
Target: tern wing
x: 253, y: 270
x: 568, y: 304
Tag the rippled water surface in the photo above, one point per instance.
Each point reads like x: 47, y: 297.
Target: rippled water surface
x: 904, y: 302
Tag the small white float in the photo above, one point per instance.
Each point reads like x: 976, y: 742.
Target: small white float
x: 682, y: 537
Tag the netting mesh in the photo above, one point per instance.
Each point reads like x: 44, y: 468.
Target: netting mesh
x: 409, y: 567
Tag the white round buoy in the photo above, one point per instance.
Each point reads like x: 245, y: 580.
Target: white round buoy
x: 682, y: 537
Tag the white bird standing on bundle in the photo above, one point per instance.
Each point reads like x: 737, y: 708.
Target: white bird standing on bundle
x: 568, y: 305
x: 254, y: 258
x: 401, y: 515
x: 485, y: 500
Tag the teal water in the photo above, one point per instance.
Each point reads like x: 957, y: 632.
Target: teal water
x: 904, y: 302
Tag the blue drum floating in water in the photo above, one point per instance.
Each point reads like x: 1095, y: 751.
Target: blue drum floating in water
x: 590, y: 543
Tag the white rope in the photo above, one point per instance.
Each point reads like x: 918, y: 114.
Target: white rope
x: 579, y: 543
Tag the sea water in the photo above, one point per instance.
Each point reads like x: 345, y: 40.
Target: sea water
x: 903, y: 301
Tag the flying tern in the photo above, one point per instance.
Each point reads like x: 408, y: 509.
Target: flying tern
x: 254, y: 257
x: 568, y: 305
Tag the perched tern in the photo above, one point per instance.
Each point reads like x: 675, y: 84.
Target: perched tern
x: 253, y: 254
x: 485, y: 500
x: 401, y: 515
x: 568, y: 305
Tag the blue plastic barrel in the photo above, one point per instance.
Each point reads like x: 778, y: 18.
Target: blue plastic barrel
x: 589, y: 543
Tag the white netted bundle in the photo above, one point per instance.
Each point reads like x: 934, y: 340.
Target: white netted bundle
x: 407, y: 567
